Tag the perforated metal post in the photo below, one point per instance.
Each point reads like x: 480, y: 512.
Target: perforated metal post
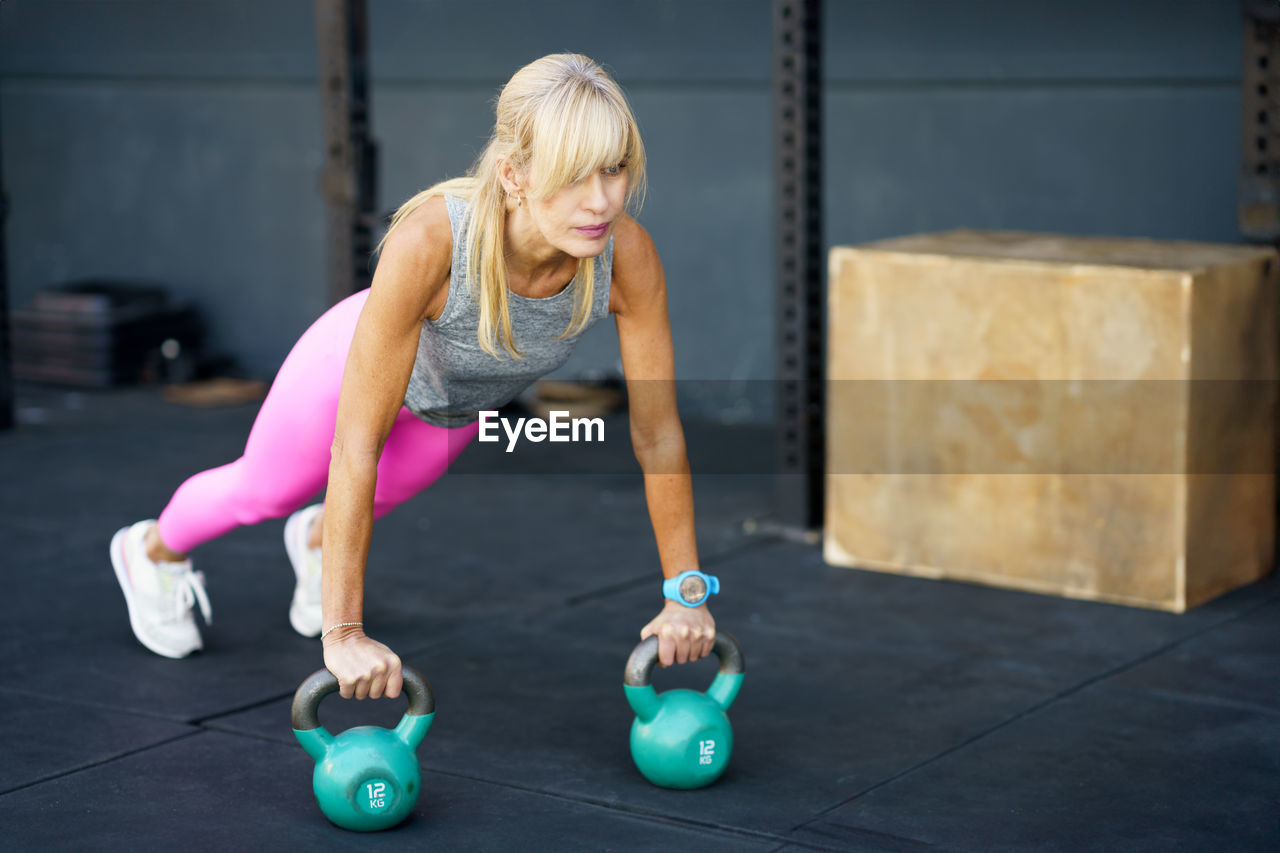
x: 1259, y: 200
x: 797, y: 93
x: 349, y: 176
x: 6, y: 360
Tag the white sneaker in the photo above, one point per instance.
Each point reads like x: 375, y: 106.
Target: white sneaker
x: 160, y: 596
x: 304, y: 612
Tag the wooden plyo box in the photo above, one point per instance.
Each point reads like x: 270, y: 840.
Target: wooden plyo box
x: 1086, y: 417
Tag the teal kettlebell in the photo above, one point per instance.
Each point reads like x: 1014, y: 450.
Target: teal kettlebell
x: 682, y: 738
x: 367, y: 777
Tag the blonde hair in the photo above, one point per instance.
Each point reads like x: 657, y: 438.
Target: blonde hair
x: 559, y: 119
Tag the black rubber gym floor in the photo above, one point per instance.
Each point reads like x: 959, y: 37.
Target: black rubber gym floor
x: 878, y: 712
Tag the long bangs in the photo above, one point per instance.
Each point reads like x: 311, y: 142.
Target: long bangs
x: 583, y: 130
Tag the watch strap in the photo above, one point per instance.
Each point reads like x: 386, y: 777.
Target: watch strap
x: 671, y: 587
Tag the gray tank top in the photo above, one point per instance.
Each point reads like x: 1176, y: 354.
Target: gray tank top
x: 453, y: 378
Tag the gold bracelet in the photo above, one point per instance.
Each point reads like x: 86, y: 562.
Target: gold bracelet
x: 339, y: 625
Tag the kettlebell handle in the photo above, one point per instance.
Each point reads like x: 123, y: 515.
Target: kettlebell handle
x: 645, y: 657
x: 322, y: 682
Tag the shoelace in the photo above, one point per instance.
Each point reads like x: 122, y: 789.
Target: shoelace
x: 188, y: 590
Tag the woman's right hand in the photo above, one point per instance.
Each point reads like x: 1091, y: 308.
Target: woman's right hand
x: 364, y: 667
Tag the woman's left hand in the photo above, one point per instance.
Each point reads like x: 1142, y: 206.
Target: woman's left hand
x: 684, y: 633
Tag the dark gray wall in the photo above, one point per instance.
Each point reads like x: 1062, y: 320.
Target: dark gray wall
x: 1090, y: 117
x: 172, y: 141
x: 180, y: 141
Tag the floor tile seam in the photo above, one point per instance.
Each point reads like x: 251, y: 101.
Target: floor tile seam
x: 704, y: 827
x: 630, y: 811
x: 1227, y: 619
x: 800, y: 844
x: 240, y: 709
x: 101, y: 762
x: 793, y: 843
x: 805, y: 845
x: 277, y: 740
x: 198, y: 722
x: 99, y: 706
x: 886, y: 841
x: 604, y: 592
x: 1037, y: 708
x: 1203, y: 699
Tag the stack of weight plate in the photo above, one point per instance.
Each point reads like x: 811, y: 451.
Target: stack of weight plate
x: 98, y: 333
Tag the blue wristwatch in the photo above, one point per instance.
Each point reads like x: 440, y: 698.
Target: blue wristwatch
x: 690, y: 588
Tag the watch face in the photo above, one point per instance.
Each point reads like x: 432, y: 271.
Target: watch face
x: 693, y: 589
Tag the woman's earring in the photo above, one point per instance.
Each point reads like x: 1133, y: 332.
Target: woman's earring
x: 519, y: 201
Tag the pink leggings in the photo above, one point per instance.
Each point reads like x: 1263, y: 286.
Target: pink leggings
x: 286, y: 459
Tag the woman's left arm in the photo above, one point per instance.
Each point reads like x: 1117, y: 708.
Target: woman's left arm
x: 638, y: 300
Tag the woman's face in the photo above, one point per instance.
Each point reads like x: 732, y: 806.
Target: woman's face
x: 578, y: 219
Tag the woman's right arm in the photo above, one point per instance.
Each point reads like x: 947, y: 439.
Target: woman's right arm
x: 410, y: 285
